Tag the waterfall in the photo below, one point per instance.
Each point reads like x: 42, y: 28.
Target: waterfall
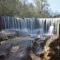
x: 51, y: 29
x: 31, y: 25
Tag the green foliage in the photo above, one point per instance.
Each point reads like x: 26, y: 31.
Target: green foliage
x: 22, y: 8
x: 42, y: 8
x: 8, y: 7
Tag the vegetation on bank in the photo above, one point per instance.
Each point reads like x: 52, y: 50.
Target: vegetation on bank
x: 24, y: 8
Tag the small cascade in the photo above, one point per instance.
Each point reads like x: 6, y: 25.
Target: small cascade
x: 31, y: 25
x: 51, y: 29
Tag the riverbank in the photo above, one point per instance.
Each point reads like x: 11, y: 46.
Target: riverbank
x: 17, y: 47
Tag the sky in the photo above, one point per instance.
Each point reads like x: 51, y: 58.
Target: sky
x: 54, y: 5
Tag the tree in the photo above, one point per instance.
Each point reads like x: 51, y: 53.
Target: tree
x: 8, y: 7
x: 42, y: 7
x: 23, y: 8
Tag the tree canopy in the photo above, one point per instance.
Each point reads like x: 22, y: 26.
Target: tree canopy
x: 24, y: 8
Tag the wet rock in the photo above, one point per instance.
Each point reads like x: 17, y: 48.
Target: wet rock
x: 25, y: 54
x: 19, y: 58
x: 5, y: 50
x: 12, y: 58
x: 7, y: 34
x: 38, y: 46
x: 3, y: 37
x: 14, y: 49
x: 21, y: 54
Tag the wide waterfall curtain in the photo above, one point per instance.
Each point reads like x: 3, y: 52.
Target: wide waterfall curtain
x: 31, y: 25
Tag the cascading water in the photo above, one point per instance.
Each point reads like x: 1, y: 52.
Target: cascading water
x: 31, y: 25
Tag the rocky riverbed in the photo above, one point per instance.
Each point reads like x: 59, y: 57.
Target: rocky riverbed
x: 24, y: 48
x: 18, y: 48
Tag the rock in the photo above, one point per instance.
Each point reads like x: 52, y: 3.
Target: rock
x: 19, y: 58
x: 3, y: 37
x: 24, y: 54
x: 2, y: 57
x: 38, y: 46
x: 12, y: 58
x: 52, y: 48
x: 23, y: 51
x: 14, y: 49
x: 7, y: 34
x: 5, y: 49
x: 21, y: 54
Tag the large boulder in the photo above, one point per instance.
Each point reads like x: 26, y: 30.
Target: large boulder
x: 38, y: 46
x: 52, y: 49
